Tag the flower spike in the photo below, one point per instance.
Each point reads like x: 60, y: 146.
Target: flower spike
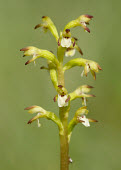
x: 67, y: 45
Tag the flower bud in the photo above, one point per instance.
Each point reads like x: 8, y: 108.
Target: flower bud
x: 81, y: 111
x: 35, y: 109
x: 85, y: 18
x: 41, y: 113
x: 82, y: 21
x: 48, y: 24
x: 81, y: 93
x: 36, y: 53
x: 87, y: 64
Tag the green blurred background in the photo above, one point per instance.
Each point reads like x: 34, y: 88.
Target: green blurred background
x: 23, y: 146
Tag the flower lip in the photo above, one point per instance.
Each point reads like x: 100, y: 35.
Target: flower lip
x: 62, y: 100
x: 66, y: 42
x: 70, y: 52
x: 85, y: 120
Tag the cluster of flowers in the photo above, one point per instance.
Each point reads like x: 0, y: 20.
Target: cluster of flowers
x: 67, y: 46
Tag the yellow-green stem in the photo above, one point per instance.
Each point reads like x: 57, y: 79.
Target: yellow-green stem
x: 63, y: 112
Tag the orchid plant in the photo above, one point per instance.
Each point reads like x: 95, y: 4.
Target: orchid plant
x: 66, y: 47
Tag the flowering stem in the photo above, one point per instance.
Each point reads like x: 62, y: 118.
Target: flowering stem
x: 61, y: 75
x: 66, y: 46
x: 64, y: 147
x: 63, y: 112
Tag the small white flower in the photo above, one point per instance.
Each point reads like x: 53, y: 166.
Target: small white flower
x: 61, y: 101
x: 70, y: 52
x: 86, y: 121
x: 66, y: 42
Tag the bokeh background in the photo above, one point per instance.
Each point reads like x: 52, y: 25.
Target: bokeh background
x: 23, y: 146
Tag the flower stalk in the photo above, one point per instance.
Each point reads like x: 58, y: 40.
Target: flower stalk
x: 63, y: 113
x: 66, y: 47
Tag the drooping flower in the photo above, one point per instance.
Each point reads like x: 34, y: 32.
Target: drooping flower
x: 40, y: 112
x: 91, y: 66
x: 47, y: 24
x: 81, y: 92
x: 62, y: 100
x: 37, y: 53
x: 82, y: 21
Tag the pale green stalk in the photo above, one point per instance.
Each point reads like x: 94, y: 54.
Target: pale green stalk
x: 63, y: 112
